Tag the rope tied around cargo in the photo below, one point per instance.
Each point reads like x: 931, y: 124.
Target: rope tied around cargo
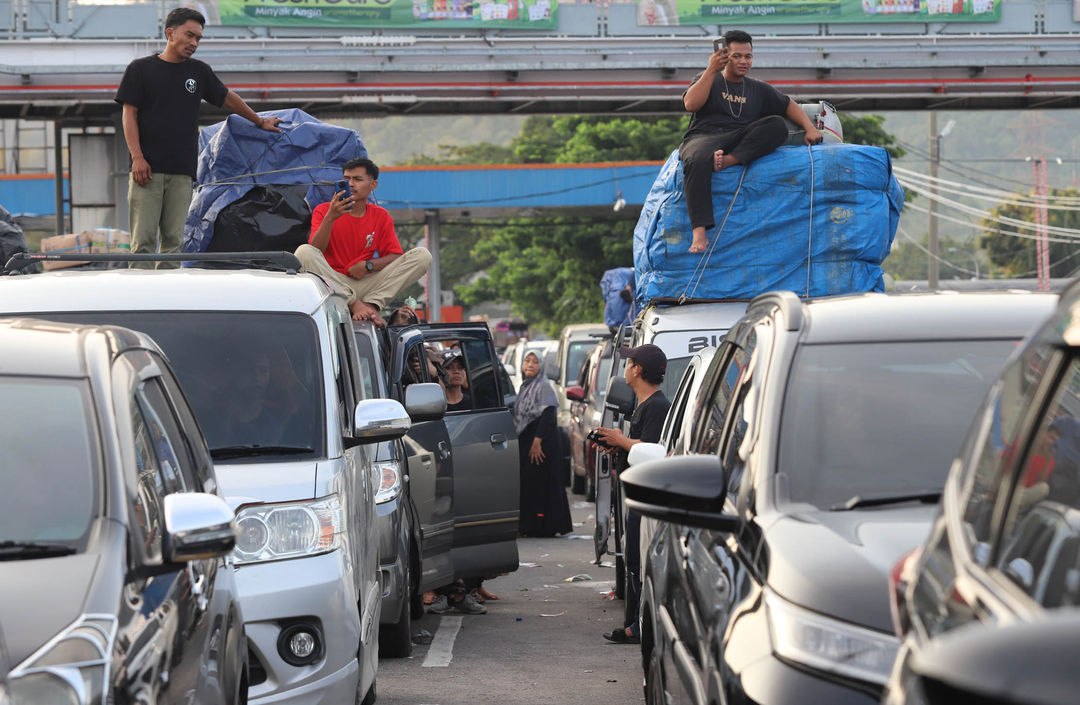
x: 232, y: 180
x: 703, y: 261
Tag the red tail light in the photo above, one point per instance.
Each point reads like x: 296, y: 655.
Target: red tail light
x: 901, y: 575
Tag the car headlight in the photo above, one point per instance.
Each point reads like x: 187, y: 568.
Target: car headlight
x: 271, y: 532
x: 72, y: 668
x: 388, y: 477
x: 827, y: 644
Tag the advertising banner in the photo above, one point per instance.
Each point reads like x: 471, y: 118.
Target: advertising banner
x: 506, y: 14
x: 733, y: 12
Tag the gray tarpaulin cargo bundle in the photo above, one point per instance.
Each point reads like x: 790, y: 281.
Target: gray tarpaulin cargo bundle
x: 256, y: 189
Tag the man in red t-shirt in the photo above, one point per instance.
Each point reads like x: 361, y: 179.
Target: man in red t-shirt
x: 353, y: 244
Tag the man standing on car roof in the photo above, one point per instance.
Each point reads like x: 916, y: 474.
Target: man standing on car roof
x: 736, y: 119
x: 354, y: 245
x: 161, y: 95
x: 645, y: 368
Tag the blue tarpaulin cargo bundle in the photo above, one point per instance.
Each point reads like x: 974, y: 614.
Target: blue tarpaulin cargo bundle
x: 236, y: 157
x: 617, y: 312
x: 838, y: 203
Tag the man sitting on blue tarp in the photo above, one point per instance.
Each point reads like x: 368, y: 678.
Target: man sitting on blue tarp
x: 736, y: 119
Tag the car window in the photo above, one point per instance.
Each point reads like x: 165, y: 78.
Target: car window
x: 1040, y: 541
x: 994, y: 452
x: 575, y: 357
x: 716, y: 408
x: 49, y: 437
x: 254, y: 379
x: 368, y: 371
x: 195, y: 444
x: 173, y: 453
x: 150, y: 482
x: 676, y: 367
x: 480, y: 373
x: 880, y: 419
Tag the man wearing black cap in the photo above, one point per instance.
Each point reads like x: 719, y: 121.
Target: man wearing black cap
x: 645, y: 368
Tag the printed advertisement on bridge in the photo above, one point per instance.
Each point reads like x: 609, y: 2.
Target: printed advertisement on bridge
x: 504, y: 14
x: 734, y: 12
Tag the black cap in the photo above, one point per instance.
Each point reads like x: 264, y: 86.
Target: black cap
x: 652, y: 360
x: 452, y: 354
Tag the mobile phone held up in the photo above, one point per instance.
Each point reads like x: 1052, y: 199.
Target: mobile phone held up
x: 343, y: 185
x: 718, y: 45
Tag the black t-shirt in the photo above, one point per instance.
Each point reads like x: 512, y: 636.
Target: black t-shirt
x: 732, y: 106
x: 464, y: 405
x: 168, y: 96
x: 647, y: 423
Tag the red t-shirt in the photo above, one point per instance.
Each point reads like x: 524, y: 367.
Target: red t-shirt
x: 355, y: 239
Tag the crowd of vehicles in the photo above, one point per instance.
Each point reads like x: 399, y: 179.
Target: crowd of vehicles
x: 341, y: 519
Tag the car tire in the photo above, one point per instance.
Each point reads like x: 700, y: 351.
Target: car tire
x: 654, y: 680
x: 369, y: 697
x: 395, y: 640
x: 577, y: 485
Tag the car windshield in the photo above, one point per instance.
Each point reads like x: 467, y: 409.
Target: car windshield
x: 880, y: 419
x: 253, y: 379
x: 50, y: 464
x: 575, y: 358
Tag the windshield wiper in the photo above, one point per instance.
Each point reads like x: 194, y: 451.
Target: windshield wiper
x: 858, y: 501
x: 14, y: 550
x: 244, y: 451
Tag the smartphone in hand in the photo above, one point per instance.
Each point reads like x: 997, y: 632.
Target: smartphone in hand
x: 343, y: 185
x: 718, y: 45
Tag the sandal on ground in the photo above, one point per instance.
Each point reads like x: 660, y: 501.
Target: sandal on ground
x: 619, y: 636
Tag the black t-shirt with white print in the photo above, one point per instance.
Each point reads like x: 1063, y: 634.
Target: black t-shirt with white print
x: 168, y: 96
x: 732, y: 106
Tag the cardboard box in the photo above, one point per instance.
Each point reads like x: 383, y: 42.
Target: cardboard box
x: 109, y: 240
x: 65, y: 244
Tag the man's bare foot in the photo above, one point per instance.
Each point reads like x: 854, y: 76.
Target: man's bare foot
x: 718, y: 162
x: 485, y: 594
x: 700, y: 243
x: 363, y: 311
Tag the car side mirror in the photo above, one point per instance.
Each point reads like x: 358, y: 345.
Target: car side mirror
x: 379, y: 420
x: 425, y: 401
x: 551, y: 365
x: 620, y: 396
x: 644, y: 452
x: 681, y: 489
x: 575, y: 393
x: 1028, y: 661
x: 197, y: 525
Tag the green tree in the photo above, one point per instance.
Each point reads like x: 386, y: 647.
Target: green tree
x: 479, y: 153
x: 869, y: 130
x: 1015, y: 256
x: 907, y: 260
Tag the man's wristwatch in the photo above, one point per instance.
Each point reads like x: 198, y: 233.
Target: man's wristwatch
x: 369, y: 265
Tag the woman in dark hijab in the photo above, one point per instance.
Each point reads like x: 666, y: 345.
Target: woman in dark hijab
x: 544, y: 509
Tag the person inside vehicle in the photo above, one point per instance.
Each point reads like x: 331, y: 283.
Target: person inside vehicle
x: 404, y: 315
x: 457, y: 396
x: 645, y: 369
x: 735, y: 120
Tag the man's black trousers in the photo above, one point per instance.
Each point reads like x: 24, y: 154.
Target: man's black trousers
x: 747, y: 144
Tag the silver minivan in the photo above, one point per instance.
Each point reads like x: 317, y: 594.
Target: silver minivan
x: 270, y: 366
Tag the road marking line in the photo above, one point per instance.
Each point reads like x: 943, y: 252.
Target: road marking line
x: 442, y: 644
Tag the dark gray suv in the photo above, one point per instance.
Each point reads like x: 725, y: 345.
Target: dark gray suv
x: 112, y: 534
x: 1005, y: 547
x: 823, y: 434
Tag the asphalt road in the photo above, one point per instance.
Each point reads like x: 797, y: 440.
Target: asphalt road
x: 539, y: 644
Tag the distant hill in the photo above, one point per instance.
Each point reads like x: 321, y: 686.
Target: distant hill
x: 393, y: 140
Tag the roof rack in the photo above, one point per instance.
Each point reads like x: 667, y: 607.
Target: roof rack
x: 677, y: 301
x: 286, y: 261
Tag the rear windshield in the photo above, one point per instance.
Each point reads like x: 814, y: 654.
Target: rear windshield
x: 254, y: 379
x: 50, y: 464
x: 881, y: 419
x: 575, y: 358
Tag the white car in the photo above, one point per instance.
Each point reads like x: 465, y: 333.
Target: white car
x: 269, y: 363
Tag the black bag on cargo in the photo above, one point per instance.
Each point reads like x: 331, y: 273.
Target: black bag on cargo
x: 266, y: 218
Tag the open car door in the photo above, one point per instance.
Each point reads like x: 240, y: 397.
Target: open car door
x: 485, y: 449
x: 430, y: 463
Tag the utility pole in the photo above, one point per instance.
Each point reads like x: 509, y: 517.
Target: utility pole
x: 433, y: 240
x: 1042, y: 222
x: 935, y: 157
x: 932, y: 244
